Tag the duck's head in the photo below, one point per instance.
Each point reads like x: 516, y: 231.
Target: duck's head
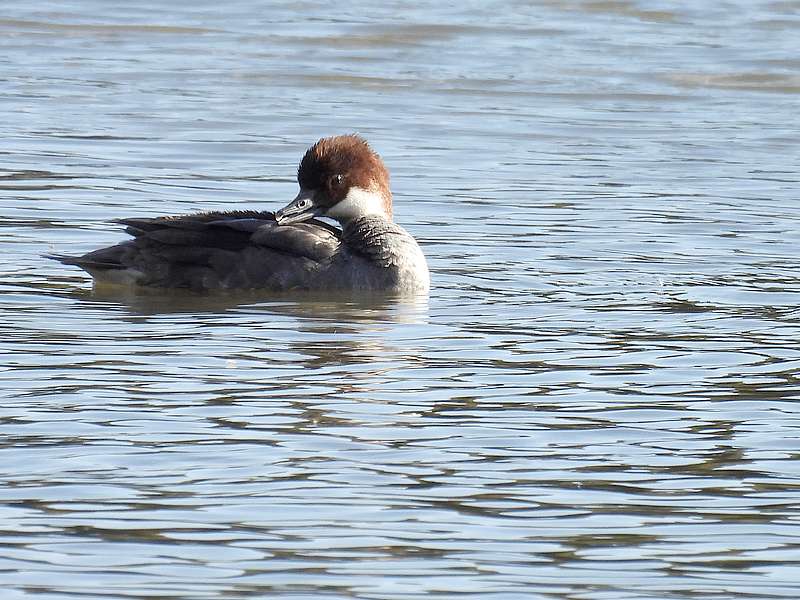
x: 342, y: 178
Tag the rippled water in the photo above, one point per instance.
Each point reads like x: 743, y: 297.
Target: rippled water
x: 599, y: 399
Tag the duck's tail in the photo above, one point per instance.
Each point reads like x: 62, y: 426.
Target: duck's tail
x: 84, y: 262
x: 101, y: 266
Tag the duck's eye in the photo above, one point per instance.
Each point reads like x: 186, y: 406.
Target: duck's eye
x: 337, y: 180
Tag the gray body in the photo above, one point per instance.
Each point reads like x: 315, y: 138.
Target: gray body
x: 250, y: 250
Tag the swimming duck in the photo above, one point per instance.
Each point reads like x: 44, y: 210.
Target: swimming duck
x: 340, y: 177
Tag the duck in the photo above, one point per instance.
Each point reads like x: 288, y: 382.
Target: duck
x: 340, y: 178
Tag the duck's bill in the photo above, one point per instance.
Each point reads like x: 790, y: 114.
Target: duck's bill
x: 301, y: 208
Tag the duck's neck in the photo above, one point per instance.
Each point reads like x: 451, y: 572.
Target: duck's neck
x: 361, y: 202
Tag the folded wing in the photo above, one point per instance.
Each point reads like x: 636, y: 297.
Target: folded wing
x: 239, y: 249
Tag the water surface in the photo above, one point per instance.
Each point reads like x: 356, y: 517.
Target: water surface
x: 598, y: 400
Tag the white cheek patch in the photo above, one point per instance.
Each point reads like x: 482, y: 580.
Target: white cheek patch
x: 357, y: 203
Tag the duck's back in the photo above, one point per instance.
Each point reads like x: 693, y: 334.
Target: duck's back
x: 220, y: 250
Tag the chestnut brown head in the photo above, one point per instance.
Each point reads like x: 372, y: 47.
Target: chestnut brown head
x: 340, y: 177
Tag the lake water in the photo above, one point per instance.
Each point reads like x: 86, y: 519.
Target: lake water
x: 599, y: 400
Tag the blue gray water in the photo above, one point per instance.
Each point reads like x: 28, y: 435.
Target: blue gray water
x: 599, y: 398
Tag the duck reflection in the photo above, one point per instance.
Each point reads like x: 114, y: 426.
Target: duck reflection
x: 301, y: 336
x: 338, y: 307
